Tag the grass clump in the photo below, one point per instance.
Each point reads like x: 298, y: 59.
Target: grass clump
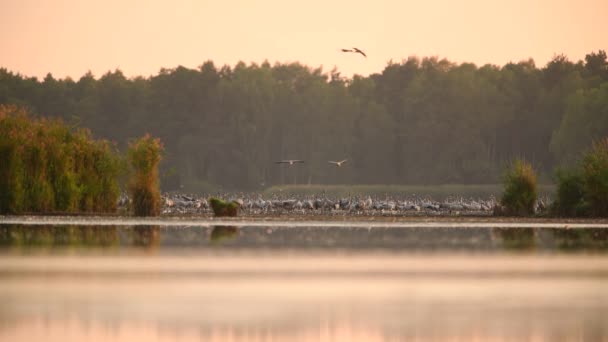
x: 520, y: 189
x: 438, y: 192
x: 47, y: 167
x: 144, y: 156
x: 222, y: 208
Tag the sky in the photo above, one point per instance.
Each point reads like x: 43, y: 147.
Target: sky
x: 139, y: 37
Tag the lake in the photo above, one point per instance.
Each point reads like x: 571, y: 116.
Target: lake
x: 80, y: 279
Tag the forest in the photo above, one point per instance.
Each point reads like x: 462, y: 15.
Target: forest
x: 419, y: 121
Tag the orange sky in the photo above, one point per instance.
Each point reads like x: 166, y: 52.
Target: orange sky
x: 69, y: 37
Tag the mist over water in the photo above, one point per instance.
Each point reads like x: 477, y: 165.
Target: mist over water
x: 282, y: 281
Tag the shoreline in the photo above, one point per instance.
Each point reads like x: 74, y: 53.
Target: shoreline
x: 311, y: 221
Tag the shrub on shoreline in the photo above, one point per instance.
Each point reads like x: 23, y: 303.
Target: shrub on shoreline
x: 144, y: 156
x: 520, y: 191
x: 584, y: 191
x: 569, y: 201
x: 222, y: 208
x: 595, y: 178
x: 46, y: 167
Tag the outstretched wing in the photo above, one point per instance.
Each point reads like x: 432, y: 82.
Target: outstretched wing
x: 346, y: 50
x: 361, y: 52
x: 343, y: 161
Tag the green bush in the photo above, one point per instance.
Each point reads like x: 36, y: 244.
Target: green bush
x: 595, y: 178
x: 222, y: 208
x: 570, y: 195
x: 12, y: 191
x: 520, y: 189
x: 46, y: 167
x: 144, y: 156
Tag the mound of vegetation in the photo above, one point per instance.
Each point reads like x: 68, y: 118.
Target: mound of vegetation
x: 520, y: 193
x: 595, y: 178
x: 222, y: 208
x: 47, y: 167
x: 569, y: 201
x: 144, y: 155
x: 584, y: 190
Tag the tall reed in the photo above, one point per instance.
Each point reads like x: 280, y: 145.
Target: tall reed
x: 144, y: 156
x: 520, y: 193
x: 47, y: 167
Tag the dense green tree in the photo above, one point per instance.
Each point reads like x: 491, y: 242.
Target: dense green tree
x: 585, y: 120
x: 421, y: 120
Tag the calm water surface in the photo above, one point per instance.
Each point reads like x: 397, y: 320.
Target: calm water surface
x: 88, y: 282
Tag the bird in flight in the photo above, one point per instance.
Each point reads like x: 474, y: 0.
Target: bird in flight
x: 355, y: 50
x: 338, y: 163
x: 359, y: 51
x: 289, y: 161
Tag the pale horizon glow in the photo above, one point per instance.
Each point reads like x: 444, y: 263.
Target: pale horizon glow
x: 72, y: 37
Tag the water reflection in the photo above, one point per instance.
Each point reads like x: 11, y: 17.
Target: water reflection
x: 518, y: 239
x: 148, y: 237
x: 302, y: 283
x: 327, y: 329
x: 251, y: 299
x: 166, y: 239
x: 573, y: 239
x: 33, y: 237
x: 223, y: 233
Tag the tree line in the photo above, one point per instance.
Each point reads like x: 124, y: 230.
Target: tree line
x: 419, y: 121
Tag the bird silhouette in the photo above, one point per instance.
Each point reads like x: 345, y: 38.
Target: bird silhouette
x: 289, y: 161
x: 359, y: 51
x: 338, y: 163
x: 355, y: 50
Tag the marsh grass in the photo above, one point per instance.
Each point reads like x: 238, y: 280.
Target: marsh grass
x: 520, y: 189
x: 437, y: 192
x: 144, y: 156
x: 46, y: 167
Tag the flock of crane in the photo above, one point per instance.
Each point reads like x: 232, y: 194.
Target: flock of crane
x: 322, y: 205
x: 182, y: 204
